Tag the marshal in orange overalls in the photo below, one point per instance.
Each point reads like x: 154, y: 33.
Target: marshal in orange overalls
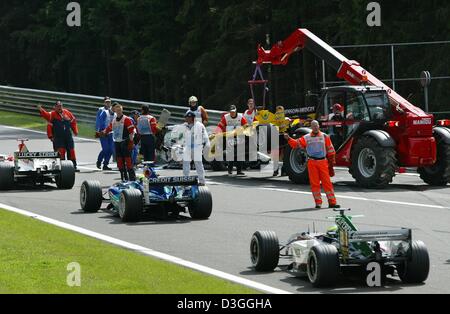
x: 321, y: 159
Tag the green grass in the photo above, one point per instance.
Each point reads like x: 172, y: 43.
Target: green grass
x: 37, y: 123
x: 34, y: 257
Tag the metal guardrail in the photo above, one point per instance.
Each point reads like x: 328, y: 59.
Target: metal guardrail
x: 84, y: 107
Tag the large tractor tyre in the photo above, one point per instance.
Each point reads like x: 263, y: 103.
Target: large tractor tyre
x: 131, y: 205
x: 323, y: 266
x: 91, y: 196
x: 373, y: 166
x: 201, y: 208
x: 264, y: 251
x: 65, y: 180
x: 6, y: 177
x: 296, y: 165
x: 439, y: 173
x: 415, y: 270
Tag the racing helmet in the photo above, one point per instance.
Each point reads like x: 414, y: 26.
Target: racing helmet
x: 332, y: 231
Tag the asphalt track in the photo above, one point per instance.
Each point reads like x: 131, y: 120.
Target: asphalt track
x: 244, y: 205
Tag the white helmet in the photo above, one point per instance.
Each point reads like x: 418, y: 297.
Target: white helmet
x: 193, y: 99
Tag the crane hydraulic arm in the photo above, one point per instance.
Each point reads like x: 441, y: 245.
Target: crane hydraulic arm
x: 348, y: 70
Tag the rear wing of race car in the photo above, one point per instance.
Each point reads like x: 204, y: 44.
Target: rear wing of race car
x: 36, y: 155
x: 381, y: 236
x: 173, y: 181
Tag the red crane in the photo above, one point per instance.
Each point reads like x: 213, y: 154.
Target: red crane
x: 410, y: 132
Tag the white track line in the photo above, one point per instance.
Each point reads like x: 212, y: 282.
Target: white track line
x: 40, y: 132
x: 149, y: 252
x: 363, y: 199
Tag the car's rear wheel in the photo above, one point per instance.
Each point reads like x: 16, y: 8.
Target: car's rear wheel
x: 439, y: 173
x: 130, y: 205
x: 323, y: 266
x: 6, y: 176
x: 373, y: 166
x: 264, y: 251
x: 65, y: 180
x: 201, y: 208
x: 416, y: 269
x: 91, y: 196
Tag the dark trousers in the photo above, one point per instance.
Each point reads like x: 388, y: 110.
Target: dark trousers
x: 148, y: 147
x: 124, y: 162
x: 239, y: 165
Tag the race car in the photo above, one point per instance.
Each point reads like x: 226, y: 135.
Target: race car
x: 149, y: 194
x: 324, y: 257
x: 27, y: 167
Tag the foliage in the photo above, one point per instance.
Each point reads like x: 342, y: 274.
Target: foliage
x: 166, y: 50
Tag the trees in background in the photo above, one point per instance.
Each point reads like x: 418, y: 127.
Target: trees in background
x: 166, y: 50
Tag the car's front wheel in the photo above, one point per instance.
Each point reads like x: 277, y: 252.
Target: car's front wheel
x: 91, y: 196
x: 264, y: 251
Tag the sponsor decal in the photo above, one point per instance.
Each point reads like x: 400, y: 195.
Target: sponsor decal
x: 37, y: 155
x: 426, y: 121
x: 170, y: 180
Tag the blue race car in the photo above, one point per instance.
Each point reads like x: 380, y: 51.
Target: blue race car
x: 150, y: 194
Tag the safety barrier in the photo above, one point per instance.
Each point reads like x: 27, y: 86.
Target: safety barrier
x: 84, y: 107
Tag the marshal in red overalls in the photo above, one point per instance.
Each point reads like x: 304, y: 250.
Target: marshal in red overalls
x: 321, y: 158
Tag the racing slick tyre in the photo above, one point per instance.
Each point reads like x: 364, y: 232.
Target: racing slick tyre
x: 65, y: 180
x: 296, y: 165
x: 130, y: 205
x: 91, y: 196
x: 439, y: 173
x: 416, y: 269
x: 202, y: 207
x: 373, y: 166
x: 323, y: 266
x: 6, y: 177
x: 264, y: 251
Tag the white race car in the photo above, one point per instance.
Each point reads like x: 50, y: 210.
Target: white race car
x: 35, y: 168
x: 324, y: 257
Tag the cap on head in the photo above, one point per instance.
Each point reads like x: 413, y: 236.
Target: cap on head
x: 107, y: 99
x: 193, y: 99
x: 338, y: 107
x: 233, y: 108
x: 189, y: 114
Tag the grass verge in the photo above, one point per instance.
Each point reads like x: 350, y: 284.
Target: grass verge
x: 26, y: 121
x: 34, y: 258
